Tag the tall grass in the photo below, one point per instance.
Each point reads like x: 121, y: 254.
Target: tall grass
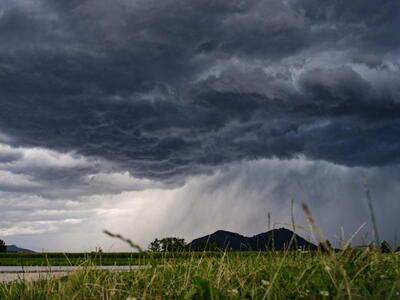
x: 351, y: 274
x: 371, y: 211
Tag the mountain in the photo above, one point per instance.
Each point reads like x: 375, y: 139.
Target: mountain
x: 13, y: 248
x: 277, y: 239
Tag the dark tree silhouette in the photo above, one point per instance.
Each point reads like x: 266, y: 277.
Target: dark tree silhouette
x: 385, y: 247
x: 3, y: 247
x: 155, y: 246
x: 173, y: 244
x: 168, y: 244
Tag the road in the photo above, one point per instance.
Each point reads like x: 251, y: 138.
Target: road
x: 9, y: 273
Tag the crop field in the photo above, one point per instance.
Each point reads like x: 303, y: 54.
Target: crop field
x: 350, y: 274
x: 73, y: 259
x: 107, y: 259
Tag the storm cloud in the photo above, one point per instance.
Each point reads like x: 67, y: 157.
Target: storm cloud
x: 99, y: 97
x: 173, y: 87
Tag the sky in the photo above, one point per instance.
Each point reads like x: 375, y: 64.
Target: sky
x: 154, y: 118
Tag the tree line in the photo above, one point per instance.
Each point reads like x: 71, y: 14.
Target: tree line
x: 174, y: 244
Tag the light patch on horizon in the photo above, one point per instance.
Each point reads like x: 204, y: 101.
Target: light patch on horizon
x: 36, y: 227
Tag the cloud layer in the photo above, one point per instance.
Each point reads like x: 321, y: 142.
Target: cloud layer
x: 168, y: 88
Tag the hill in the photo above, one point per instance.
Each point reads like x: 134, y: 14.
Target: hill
x: 276, y: 239
x: 13, y: 248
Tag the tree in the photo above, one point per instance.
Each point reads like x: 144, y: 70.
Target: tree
x: 173, y: 244
x: 3, y: 247
x: 155, y: 246
x: 168, y: 244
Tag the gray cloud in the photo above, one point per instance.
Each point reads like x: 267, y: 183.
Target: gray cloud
x: 8, y: 155
x: 171, y: 88
x: 53, y: 175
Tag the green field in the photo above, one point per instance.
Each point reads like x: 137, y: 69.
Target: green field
x: 105, y: 259
x: 72, y: 259
x: 352, y: 274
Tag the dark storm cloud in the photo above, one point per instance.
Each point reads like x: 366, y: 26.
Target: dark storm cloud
x: 169, y: 88
x: 370, y: 25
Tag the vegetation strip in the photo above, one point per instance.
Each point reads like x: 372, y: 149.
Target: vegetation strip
x: 353, y: 273
x: 55, y: 269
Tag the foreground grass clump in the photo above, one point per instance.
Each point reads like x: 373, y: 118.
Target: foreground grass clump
x: 275, y: 275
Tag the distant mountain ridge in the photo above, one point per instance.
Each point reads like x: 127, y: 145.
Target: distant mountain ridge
x: 276, y: 239
x: 13, y: 248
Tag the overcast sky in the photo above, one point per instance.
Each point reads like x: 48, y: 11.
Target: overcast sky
x: 153, y: 118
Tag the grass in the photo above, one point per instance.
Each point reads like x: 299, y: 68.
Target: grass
x: 67, y: 259
x: 351, y: 274
x: 104, y: 259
